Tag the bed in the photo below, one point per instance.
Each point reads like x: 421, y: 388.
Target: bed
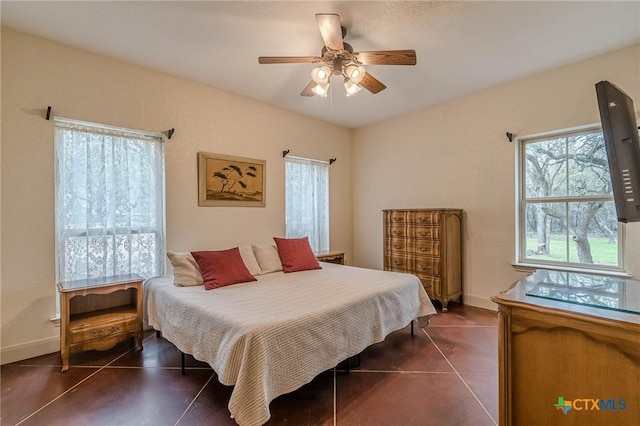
x: 271, y: 336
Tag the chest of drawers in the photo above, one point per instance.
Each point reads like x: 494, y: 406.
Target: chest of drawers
x: 426, y: 243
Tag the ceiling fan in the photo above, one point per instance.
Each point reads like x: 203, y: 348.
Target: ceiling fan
x: 339, y: 59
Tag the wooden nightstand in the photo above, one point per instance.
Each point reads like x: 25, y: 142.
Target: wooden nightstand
x: 99, y: 313
x: 331, y: 257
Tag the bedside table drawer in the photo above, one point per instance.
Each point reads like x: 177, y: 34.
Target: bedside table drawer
x: 102, y: 330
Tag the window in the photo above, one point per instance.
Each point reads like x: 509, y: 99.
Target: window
x: 307, y: 201
x: 109, y: 201
x: 566, y: 212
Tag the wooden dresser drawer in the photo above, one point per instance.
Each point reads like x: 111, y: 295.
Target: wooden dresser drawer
x: 396, y: 217
x: 398, y: 245
x: 431, y: 284
x: 429, y: 248
x: 424, y: 232
x: 426, y: 218
x: 398, y: 263
x: 427, y: 265
x: 409, y: 246
x: 396, y: 231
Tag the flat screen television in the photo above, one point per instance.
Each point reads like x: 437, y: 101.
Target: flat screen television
x: 620, y: 129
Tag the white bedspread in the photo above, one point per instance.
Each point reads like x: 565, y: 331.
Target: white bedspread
x: 270, y: 337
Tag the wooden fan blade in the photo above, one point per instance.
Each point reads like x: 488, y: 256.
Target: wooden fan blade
x: 329, y: 24
x: 308, y: 91
x: 288, y: 59
x: 372, y: 84
x: 387, y: 57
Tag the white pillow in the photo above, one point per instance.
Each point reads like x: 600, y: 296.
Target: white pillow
x: 185, y: 269
x: 249, y: 259
x: 268, y: 258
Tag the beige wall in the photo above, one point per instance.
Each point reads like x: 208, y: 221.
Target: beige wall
x: 452, y: 155
x: 80, y: 85
x: 457, y: 155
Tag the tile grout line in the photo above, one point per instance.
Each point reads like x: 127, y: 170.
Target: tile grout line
x: 463, y: 381
x: 194, y: 399
x: 71, y: 388
x: 462, y: 326
x: 354, y: 371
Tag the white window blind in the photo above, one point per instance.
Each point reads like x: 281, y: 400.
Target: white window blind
x: 109, y: 201
x: 307, y: 201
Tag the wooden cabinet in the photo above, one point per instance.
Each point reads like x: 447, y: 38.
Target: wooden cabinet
x: 563, y: 363
x: 331, y: 257
x: 427, y: 243
x: 99, y: 313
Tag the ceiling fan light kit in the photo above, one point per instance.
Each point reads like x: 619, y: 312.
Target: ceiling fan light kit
x: 340, y: 59
x: 321, y: 74
x: 321, y: 89
x: 355, y: 73
x: 350, y: 87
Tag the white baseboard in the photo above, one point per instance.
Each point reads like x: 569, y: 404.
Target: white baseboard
x: 29, y: 350
x: 479, y: 302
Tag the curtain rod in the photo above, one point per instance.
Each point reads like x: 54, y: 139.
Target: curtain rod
x: 286, y: 154
x: 169, y: 133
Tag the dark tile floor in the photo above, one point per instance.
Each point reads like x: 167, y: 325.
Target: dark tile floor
x: 444, y: 375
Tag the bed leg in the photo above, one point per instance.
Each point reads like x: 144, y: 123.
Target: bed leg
x: 158, y: 334
x: 184, y: 371
x: 411, y: 328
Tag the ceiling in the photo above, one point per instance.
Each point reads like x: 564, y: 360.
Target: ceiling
x: 462, y: 47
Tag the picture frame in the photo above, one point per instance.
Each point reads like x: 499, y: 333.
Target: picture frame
x: 230, y: 181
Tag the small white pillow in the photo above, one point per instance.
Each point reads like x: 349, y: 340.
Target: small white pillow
x: 268, y: 258
x: 185, y: 269
x: 249, y: 259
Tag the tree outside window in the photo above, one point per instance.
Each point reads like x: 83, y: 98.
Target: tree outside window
x: 567, y: 213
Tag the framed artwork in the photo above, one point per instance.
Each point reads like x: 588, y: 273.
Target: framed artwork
x: 228, y: 181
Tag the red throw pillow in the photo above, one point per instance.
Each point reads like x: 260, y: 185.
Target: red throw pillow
x: 222, y: 268
x: 296, y: 255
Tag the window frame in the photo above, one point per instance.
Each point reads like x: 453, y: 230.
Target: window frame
x: 521, y: 260
x: 60, y: 122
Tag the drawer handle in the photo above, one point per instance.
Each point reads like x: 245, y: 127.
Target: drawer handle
x: 423, y: 248
x: 100, y: 332
x: 425, y: 234
x: 397, y: 218
x: 424, y: 266
x: 424, y: 219
x: 398, y: 246
x: 399, y: 233
x: 398, y: 262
